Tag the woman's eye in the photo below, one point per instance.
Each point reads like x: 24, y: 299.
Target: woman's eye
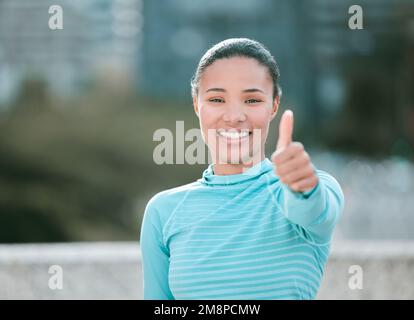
x: 253, y: 101
x: 216, y: 100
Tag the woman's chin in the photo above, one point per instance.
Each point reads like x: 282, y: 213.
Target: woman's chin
x: 237, y: 157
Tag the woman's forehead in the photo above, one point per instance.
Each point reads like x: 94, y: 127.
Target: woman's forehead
x: 236, y: 72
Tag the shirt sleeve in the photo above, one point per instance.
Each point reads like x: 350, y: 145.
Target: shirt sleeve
x: 317, y: 211
x: 155, y: 257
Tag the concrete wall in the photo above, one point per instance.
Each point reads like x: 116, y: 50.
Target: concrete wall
x: 113, y: 271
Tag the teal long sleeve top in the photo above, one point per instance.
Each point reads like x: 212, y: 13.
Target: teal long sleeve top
x: 242, y: 236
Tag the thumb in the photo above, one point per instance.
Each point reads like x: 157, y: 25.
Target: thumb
x: 285, y: 130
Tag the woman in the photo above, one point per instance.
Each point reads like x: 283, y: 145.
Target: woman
x: 250, y: 227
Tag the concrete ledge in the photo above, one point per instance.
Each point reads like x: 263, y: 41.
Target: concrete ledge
x: 374, y: 249
x: 113, y: 270
x: 90, y: 271
x: 388, y: 270
x: 74, y: 252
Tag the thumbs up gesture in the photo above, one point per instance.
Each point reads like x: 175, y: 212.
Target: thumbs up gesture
x: 292, y: 163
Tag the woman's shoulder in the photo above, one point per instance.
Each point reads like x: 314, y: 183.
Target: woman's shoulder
x: 162, y: 205
x: 167, y: 200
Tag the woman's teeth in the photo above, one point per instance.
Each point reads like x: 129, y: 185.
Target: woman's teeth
x: 233, y: 135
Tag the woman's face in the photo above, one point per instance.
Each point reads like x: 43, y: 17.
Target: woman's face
x: 235, y: 106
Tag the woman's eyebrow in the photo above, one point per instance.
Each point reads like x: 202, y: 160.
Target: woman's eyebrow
x: 245, y: 90
x: 216, y: 89
x: 253, y: 90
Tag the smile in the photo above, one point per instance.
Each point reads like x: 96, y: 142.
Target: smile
x: 232, y: 134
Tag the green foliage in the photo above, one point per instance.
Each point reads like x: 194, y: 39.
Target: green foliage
x: 82, y: 169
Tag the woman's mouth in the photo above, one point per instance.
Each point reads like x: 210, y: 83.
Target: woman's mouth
x: 233, y: 135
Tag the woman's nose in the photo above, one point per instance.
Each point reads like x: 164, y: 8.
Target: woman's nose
x: 234, y: 114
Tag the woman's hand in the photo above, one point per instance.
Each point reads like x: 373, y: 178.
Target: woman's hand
x: 291, y: 162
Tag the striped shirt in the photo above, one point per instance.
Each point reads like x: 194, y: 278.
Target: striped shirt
x: 242, y: 236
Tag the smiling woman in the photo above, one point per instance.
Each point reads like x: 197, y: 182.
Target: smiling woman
x: 235, y: 97
x: 250, y: 227
x: 236, y: 89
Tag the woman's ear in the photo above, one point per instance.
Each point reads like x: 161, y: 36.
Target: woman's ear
x: 195, y: 104
x: 275, y: 107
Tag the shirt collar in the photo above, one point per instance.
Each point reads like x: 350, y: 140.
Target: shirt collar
x: 253, y: 172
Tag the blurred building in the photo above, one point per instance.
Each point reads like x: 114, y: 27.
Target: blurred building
x: 155, y: 45
x: 96, y: 34
x: 178, y: 32
x: 387, y: 29
x: 310, y: 39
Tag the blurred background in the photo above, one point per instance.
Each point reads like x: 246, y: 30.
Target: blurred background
x: 79, y: 106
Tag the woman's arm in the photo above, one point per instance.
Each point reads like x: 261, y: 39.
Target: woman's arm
x: 155, y: 257
x: 317, y: 211
x: 311, y: 199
